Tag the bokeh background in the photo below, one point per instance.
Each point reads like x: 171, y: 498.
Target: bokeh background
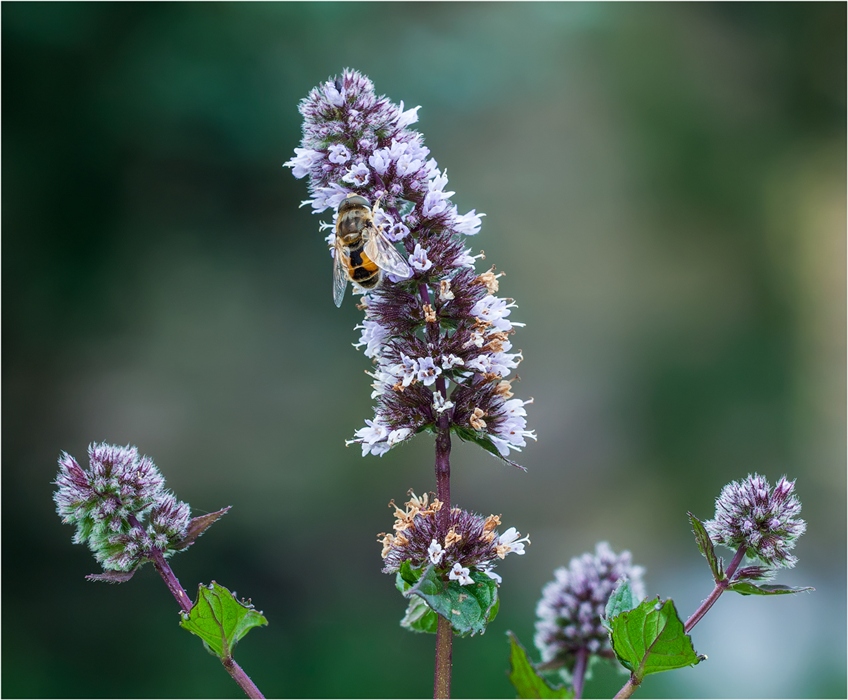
x: 665, y: 188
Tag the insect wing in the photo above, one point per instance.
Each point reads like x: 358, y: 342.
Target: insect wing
x: 380, y: 249
x: 339, y: 273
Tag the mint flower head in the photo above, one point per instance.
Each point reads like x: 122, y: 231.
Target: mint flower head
x: 120, y: 506
x: 765, y: 521
x: 439, y: 335
x: 456, y: 546
x: 572, y: 605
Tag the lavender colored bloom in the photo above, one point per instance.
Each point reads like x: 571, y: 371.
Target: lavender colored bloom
x: 469, y: 542
x: 119, y: 506
x: 749, y: 513
x: 440, y: 339
x: 573, y: 604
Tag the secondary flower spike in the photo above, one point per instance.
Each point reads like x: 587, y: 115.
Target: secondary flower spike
x: 765, y: 520
x: 572, y: 605
x: 120, y: 506
x: 438, y: 334
x: 469, y: 542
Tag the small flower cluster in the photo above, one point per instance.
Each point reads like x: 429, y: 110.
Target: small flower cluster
x: 749, y: 513
x: 120, y: 506
x: 572, y: 605
x: 443, y: 326
x: 468, y: 543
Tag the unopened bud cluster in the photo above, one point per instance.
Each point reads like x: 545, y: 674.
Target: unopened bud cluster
x: 765, y: 521
x: 573, y: 604
x: 440, y: 338
x: 120, y: 506
x: 457, y: 546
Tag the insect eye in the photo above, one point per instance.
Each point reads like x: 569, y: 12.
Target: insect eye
x: 352, y: 201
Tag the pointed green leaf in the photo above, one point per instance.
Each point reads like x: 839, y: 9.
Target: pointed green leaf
x: 526, y: 679
x: 220, y: 620
x: 468, y: 608
x: 705, y: 544
x: 748, y: 588
x: 650, y: 639
x: 621, y: 600
x: 485, y: 442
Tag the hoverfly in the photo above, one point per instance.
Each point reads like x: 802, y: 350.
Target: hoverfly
x: 362, y: 251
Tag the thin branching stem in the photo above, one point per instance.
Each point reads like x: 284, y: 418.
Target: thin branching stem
x: 172, y: 582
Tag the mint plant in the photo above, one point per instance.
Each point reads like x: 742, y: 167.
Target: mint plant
x: 123, y: 512
x: 583, y: 619
x: 438, y: 336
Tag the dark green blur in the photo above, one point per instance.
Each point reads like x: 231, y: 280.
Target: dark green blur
x: 665, y: 188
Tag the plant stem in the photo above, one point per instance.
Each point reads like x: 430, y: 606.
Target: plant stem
x: 579, y: 674
x: 720, y: 587
x: 444, y: 659
x: 172, y: 582
x: 444, y: 631
x: 240, y: 677
x: 170, y: 579
x: 629, y: 687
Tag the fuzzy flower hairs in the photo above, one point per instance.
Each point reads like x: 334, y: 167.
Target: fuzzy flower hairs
x: 435, y: 329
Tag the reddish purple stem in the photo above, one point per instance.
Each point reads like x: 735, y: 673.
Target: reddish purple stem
x: 167, y: 573
x: 444, y: 631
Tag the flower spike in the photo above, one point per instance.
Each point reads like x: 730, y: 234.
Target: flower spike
x: 439, y: 336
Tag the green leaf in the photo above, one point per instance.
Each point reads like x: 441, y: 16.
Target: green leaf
x: 650, y: 639
x: 748, y: 588
x: 480, y: 438
x: 468, y: 608
x: 705, y: 544
x: 420, y: 617
x: 526, y: 679
x: 620, y: 600
x: 220, y: 620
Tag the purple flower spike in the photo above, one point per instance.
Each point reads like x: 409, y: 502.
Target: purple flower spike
x: 439, y: 337
x: 119, y: 506
x: 456, y: 546
x: 749, y: 513
x: 573, y: 604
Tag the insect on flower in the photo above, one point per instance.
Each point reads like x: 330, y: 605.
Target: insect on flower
x: 362, y: 251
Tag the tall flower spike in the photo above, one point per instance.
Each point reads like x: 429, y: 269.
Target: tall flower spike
x: 572, y: 605
x: 439, y: 337
x: 120, y: 506
x: 749, y: 513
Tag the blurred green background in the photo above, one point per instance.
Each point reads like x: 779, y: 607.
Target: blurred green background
x: 665, y: 188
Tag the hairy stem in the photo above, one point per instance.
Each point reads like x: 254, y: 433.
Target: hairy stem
x: 444, y: 632
x: 444, y: 659
x: 629, y: 687
x: 240, y: 677
x: 720, y: 587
